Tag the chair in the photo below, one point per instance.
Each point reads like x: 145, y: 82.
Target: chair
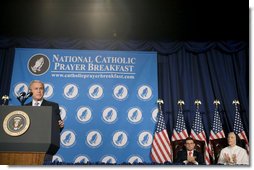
x: 178, y: 145
x: 200, y: 146
x: 217, y: 146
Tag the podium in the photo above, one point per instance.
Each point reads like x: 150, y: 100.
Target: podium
x: 27, y: 134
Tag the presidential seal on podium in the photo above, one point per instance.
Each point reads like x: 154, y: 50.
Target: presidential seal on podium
x: 16, y: 123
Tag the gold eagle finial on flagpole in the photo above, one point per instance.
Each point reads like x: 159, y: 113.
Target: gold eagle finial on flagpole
x: 160, y: 102
x: 5, y: 98
x: 197, y: 103
x: 180, y: 103
x: 236, y: 102
x: 217, y: 103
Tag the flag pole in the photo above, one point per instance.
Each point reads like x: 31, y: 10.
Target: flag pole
x: 197, y: 103
x: 5, y: 98
x: 180, y: 103
x: 217, y: 103
x: 236, y: 102
x: 160, y: 102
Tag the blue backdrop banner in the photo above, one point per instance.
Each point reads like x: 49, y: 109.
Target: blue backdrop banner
x: 107, y: 100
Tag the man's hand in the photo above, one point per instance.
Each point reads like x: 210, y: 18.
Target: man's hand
x: 61, y: 123
x: 191, y: 159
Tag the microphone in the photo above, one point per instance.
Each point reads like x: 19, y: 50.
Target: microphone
x: 23, y: 96
x: 20, y: 97
x: 22, y: 93
x: 29, y: 94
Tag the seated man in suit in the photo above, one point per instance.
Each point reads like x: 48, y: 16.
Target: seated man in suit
x: 189, y: 155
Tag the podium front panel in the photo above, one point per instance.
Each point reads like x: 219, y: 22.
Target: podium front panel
x: 42, y: 133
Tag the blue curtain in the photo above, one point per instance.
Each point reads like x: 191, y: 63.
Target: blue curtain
x: 186, y: 70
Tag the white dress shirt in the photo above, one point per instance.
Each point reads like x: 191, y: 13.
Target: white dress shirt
x: 34, y: 103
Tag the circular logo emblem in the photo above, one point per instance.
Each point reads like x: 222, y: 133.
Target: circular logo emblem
x: 57, y: 158
x: 70, y: 91
x: 68, y: 138
x: 95, y: 92
x: 109, y: 115
x: 48, y: 91
x: 144, y: 93
x: 16, y: 123
x: 38, y: 64
x: 120, y: 139
x: 82, y: 159
x: 84, y: 114
x: 145, y: 139
x: 135, y: 159
x: 134, y: 115
x: 107, y: 159
x: 62, y: 112
x: 120, y: 92
x: 154, y: 114
x: 94, y: 139
x: 20, y: 87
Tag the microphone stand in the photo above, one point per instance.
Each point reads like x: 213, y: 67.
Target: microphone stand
x: 22, y: 98
x: 29, y: 94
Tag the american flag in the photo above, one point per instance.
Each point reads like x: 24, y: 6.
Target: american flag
x: 238, y: 129
x: 180, y: 131
x: 216, y: 132
x: 161, y: 147
x: 198, y: 133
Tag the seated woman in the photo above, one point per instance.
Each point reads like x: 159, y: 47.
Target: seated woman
x: 233, y: 154
x: 189, y: 156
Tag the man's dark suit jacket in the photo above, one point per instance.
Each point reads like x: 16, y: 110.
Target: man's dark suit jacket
x: 182, y: 156
x: 55, y: 107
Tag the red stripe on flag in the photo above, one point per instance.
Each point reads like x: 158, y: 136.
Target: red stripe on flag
x: 163, y: 146
x: 157, y: 147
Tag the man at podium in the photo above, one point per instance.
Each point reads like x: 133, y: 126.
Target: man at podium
x: 37, y: 88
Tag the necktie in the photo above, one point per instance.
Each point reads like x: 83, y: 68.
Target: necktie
x: 36, y: 103
x: 190, y: 153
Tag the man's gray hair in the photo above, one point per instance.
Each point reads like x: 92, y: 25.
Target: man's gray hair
x: 35, y: 81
